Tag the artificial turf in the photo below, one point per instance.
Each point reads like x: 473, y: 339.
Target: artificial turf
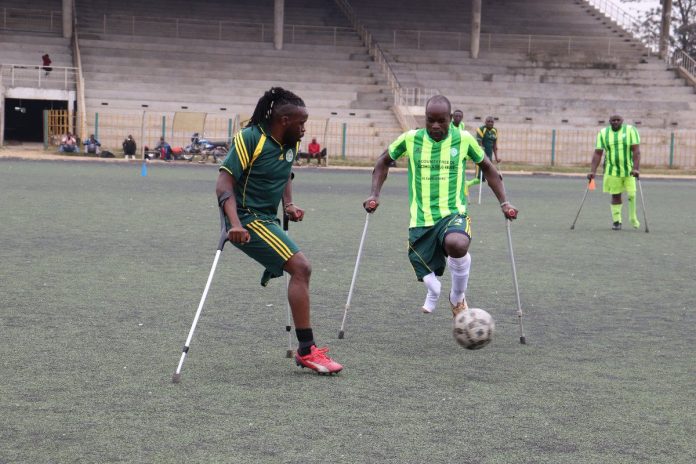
x: 102, y: 271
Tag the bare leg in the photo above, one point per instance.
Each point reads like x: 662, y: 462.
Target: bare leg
x: 298, y: 289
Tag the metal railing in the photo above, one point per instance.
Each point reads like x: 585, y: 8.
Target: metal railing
x: 226, y: 30
x: 24, y: 75
x: 624, y: 20
x: 359, y: 141
x: 403, y: 115
x: 16, y: 19
x: 681, y: 59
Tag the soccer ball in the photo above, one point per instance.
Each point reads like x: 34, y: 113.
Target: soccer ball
x: 473, y: 328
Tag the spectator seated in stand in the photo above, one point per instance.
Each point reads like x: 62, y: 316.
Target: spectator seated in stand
x: 314, y: 151
x: 68, y: 144
x: 92, y: 145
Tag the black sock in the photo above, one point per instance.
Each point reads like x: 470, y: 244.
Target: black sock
x: 305, y: 337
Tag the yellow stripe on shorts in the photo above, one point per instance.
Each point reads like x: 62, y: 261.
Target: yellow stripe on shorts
x: 273, y: 241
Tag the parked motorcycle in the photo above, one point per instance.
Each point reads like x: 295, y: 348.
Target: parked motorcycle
x: 205, y: 148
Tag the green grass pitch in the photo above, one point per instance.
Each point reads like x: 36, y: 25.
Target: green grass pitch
x: 102, y: 271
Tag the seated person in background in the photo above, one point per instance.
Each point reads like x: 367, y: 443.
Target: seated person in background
x: 129, y: 147
x: 92, y: 145
x: 164, y: 149
x: 314, y: 151
x: 68, y: 144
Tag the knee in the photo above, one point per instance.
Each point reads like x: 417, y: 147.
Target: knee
x: 299, y: 266
x: 457, y: 249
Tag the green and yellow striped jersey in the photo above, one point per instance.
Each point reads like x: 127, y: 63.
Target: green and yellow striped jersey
x: 261, y: 168
x: 618, y: 159
x: 435, y: 173
x: 487, y: 137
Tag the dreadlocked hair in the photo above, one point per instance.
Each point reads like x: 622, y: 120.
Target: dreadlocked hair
x: 272, y: 99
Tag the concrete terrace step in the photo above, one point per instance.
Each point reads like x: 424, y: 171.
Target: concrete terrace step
x: 233, y: 83
x: 201, y: 63
x: 214, y: 47
x: 134, y: 75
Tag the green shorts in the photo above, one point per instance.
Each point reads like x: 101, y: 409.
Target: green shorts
x: 616, y: 185
x: 426, y: 245
x: 270, y: 246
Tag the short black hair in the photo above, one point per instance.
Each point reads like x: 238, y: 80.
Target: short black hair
x: 439, y: 98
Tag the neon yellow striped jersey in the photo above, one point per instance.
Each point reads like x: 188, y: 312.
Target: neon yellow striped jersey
x: 435, y: 173
x: 618, y: 159
x: 261, y: 168
x: 461, y: 126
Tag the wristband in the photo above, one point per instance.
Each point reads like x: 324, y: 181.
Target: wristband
x: 224, y: 197
x: 287, y: 205
x: 505, y: 203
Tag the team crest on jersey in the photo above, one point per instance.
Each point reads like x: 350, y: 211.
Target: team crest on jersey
x: 289, y: 156
x: 454, y: 152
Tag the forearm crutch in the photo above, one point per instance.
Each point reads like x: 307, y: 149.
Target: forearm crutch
x: 176, y: 378
x: 341, y: 332
x: 523, y: 339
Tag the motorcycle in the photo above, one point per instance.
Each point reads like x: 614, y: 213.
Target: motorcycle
x: 205, y: 148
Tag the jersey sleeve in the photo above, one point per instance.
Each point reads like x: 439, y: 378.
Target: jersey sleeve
x: 474, y: 150
x: 398, y: 147
x: 238, y: 158
x: 599, y: 145
x: 479, y: 135
x: 634, y: 137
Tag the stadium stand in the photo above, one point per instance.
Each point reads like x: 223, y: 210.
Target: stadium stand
x: 219, y: 58
x: 572, y: 70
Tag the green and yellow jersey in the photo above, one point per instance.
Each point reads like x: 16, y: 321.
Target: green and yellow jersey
x: 618, y: 159
x: 261, y: 168
x: 435, y: 173
x: 460, y: 127
x: 487, y: 138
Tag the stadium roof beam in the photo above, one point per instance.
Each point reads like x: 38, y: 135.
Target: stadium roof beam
x: 475, y: 27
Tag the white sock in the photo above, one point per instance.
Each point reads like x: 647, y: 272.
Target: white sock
x: 459, y: 268
x: 432, y: 283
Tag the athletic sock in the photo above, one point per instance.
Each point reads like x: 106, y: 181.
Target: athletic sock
x: 632, y: 210
x: 305, y: 337
x: 616, y: 212
x: 459, y: 268
x: 432, y: 283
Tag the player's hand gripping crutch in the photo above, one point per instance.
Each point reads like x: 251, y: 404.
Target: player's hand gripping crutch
x: 642, y: 201
x: 511, y: 213
x: 372, y: 205
x: 176, y: 378
x: 590, y: 186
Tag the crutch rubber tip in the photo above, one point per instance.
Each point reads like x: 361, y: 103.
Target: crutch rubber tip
x: 340, y: 335
x: 572, y: 227
x: 523, y: 340
x: 288, y: 354
x: 176, y: 378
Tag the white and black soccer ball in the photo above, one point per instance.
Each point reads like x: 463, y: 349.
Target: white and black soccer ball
x: 473, y: 328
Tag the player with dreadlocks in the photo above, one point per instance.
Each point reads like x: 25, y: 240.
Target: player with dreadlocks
x: 253, y: 179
